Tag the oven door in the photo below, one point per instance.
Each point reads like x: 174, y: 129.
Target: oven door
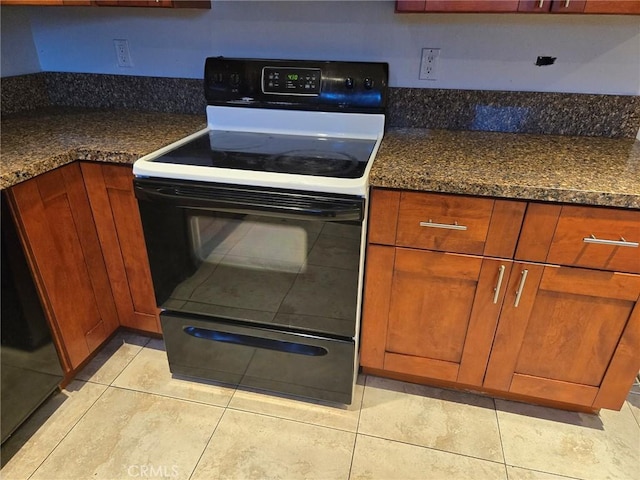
x: 278, y: 258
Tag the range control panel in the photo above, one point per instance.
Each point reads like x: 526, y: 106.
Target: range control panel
x: 291, y: 81
x: 297, y: 84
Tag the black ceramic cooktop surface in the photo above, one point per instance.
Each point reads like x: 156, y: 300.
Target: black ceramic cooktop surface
x: 267, y: 152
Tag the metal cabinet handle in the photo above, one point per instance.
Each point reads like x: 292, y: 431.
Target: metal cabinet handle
x: 521, y: 287
x: 496, y: 290
x: 618, y: 243
x: 566, y: 3
x: 447, y: 226
x: 540, y: 3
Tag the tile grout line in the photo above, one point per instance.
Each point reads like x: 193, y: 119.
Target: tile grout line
x: 355, y: 438
x: 88, y: 380
x: 162, y: 395
x: 504, y: 457
x: 72, y: 427
x: 132, y: 359
x: 268, y: 415
x: 637, y: 419
x: 517, y: 466
x: 432, y: 448
x: 546, y: 473
x: 195, y: 467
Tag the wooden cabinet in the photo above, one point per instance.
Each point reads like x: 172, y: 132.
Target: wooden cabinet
x: 472, y: 6
x: 580, y: 6
x: 56, y: 227
x: 117, y: 220
x: 559, y: 340
x: 82, y: 234
x: 116, y: 3
x: 154, y: 3
x: 592, y: 237
x: 433, y: 313
x: 627, y: 7
x: 521, y: 6
x: 552, y: 6
x: 436, y: 312
x: 453, y: 305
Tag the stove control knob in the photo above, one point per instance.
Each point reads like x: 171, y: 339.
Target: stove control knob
x: 348, y: 82
x: 368, y: 83
x: 235, y: 79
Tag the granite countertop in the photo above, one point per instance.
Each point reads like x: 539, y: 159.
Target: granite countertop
x: 37, y: 141
x: 585, y: 170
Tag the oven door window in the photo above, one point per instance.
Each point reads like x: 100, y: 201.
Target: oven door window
x: 293, y: 273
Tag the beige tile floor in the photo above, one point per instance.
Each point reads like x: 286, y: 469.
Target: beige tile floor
x: 125, y: 417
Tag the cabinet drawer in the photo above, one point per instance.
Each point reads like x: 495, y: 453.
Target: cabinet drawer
x: 592, y: 237
x: 451, y: 223
x: 597, y: 238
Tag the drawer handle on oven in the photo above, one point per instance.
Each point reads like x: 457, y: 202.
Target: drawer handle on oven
x: 447, y: 226
x: 617, y: 243
x: 256, y: 342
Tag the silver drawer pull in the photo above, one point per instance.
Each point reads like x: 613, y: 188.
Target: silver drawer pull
x: 499, y: 284
x: 617, y: 243
x: 521, y: 287
x: 447, y: 226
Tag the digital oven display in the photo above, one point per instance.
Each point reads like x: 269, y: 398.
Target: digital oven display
x: 291, y: 81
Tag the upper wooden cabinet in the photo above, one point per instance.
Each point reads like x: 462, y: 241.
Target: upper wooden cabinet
x: 552, y: 6
x: 116, y: 3
x: 628, y: 7
x: 154, y: 3
x: 523, y: 6
x: 486, y: 6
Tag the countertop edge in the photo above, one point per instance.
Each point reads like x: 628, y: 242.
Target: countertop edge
x: 535, y: 194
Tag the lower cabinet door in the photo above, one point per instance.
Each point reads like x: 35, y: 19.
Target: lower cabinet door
x: 117, y: 220
x: 568, y: 335
x: 434, y: 316
x: 55, y: 222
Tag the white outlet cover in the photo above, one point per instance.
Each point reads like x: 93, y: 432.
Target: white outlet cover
x: 123, y: 56
x: 429, y: 64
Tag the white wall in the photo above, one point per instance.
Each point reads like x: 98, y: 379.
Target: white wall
x: 595, y: 54
x: 18, y: 52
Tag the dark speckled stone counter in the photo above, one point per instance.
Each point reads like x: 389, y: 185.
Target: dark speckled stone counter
x: 584, y: 170
x: 37, y: 141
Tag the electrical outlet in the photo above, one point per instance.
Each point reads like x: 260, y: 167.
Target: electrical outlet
x: 122, y: 53
x: 429, y: 64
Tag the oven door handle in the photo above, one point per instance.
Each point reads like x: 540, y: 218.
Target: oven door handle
x: 255, y: 202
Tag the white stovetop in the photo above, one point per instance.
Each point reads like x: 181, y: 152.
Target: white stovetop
x: 285, y: 122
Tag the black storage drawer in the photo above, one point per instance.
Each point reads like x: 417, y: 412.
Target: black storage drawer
x: 289, y: 362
